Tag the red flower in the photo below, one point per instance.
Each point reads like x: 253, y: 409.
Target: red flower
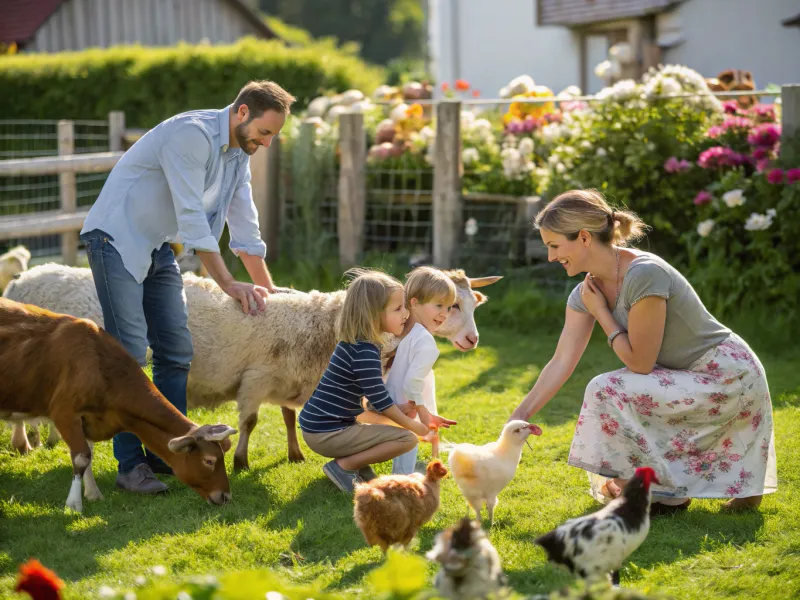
x: 38, y: 581
x: 793, y: 175
x: 445, y: 86
x: 461, y: 85
x: 775, y: 176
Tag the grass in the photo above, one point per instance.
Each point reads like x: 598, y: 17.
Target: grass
x: 289, y: 518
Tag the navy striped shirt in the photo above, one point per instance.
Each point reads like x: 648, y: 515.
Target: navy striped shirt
x: 353, y: 372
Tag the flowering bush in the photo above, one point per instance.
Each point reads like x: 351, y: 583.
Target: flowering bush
x: 745, y: 247
x: 626, y: 142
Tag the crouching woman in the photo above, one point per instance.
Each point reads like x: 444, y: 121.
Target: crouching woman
x: 692, y: 401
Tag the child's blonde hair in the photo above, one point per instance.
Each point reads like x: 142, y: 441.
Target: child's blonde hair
x: 429, y: 284
x: 368, y: 294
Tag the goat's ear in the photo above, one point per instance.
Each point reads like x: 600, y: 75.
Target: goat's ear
x: 479, y: 298
x: 477, y: 282
x: 214, y: 433
x: 185, y: 443
x: 225, y: 445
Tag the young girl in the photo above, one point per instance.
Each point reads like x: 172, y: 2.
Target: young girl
x: 374, y: 305
x: 429, y: 295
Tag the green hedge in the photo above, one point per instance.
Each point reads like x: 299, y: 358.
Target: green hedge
x: 152, y: 84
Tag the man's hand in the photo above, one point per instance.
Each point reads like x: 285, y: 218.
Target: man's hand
x: 438, y: 422
x: 252, y: 297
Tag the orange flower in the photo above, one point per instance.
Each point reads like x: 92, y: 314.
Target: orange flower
x: 445, y: 86
x: 38, y: 581
x: 462, y: 85
x: 476, y: 93
x: 414, y: 111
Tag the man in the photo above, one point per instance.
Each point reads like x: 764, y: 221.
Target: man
x: 183, y: 179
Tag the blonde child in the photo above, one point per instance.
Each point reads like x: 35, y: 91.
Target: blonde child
x: 374, y: 304
x: 429, y: 295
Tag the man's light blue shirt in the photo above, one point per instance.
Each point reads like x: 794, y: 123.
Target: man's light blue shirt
x: 180, y: 182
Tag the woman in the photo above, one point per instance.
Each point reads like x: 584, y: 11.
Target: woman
x: 692, y: 401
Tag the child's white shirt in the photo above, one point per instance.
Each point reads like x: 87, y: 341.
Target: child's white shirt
x: 411, y: 377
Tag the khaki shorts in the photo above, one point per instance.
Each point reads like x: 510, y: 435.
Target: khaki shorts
x: 356, y: 438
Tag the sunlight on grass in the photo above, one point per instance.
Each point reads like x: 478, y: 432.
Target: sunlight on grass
x: 289, y: 518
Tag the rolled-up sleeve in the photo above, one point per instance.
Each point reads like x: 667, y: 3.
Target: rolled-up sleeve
x: 243, y: 220
x: 183, y: 159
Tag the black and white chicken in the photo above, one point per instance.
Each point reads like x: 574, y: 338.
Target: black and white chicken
x: 470, y: 565
x: 598, y: 544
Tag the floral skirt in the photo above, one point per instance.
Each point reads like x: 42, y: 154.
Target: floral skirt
x: 706, y: 430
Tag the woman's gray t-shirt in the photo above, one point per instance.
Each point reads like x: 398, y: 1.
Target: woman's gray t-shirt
x: 690, y: 330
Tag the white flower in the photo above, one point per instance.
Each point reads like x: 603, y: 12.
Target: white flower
x: 669, y: 86
x: 602, y: 152
x: 182, y: 595
x: 471, y: 227
x: 586, y: 144
x: 159, y: 570
x: 140, y: 580
x: 704, y: 227
x: 106, y: 592
x: 526, y: 146
x: 275, y: 596
x: 603, y: 69
x: 427, y: 134
x: 757, y: 222
x: 771, y: 212
x: 519, y: 85
x: 129, y: 596
x: 560, y: 168
x: 482, y: 127
x: 470, y: 155
x: 734, y: 198
x: 550, y: 133
x: 622, y: 52
x: 467, y: 119
x: 399, y: 112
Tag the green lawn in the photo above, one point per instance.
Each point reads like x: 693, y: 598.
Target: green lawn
x: 289, y: 518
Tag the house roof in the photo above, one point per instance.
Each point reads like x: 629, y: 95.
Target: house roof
x: 792, y: 21
x: 574, y: 13
x: 21, y: 19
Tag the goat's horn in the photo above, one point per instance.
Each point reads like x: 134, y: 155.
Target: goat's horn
x: 484, y: 281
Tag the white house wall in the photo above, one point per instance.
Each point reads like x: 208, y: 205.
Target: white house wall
x: 496, y: 41
x: 739, y: 34
x: 82, y: 24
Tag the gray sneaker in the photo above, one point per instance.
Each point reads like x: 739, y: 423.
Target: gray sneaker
x: 366, y: 473
x: 341, y: 478
x: 141, y: 480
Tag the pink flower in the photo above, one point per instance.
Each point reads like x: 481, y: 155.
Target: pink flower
x: 702, y: 198
x: 762, y: 165
x: 793, y: 175
x: 764, y: 135
x: 760, y: 154
x: 673, y: 165
x: 763, y: 112
x: 737, y: 123
x: 775, y: 176
x: 714, y: 132
x: 731, y: 107
x: 720, y: 156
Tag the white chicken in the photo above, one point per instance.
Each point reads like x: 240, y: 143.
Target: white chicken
x: 481, y: 472
x: 598, y: 544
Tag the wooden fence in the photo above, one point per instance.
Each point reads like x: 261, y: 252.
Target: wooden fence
x: 447, y: 198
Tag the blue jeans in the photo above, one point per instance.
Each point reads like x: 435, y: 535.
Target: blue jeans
x: 152, y: 313
x: 405, y: 463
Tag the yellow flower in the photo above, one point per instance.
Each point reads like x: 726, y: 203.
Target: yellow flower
x: 520, y: 110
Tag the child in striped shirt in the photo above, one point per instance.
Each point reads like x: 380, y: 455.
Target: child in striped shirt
x: 374, y: 304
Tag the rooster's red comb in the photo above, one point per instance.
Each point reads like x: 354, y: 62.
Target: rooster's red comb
x: 34, y: 575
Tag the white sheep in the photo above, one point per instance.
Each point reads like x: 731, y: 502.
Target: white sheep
x: 276, y: 357
x: 12, y: 263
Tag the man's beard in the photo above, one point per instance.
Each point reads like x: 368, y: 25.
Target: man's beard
x: 241, y: 136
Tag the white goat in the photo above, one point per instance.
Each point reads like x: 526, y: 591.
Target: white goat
x: 276, y: 357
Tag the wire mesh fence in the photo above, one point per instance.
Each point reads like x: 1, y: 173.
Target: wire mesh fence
x: 27, y: 139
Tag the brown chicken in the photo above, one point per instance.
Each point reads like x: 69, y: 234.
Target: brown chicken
x: 390, y: 509
x: 39, y: 582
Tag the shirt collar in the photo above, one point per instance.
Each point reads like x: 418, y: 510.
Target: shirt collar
x: 225, y: 128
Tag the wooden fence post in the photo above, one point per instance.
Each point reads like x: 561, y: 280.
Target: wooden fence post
x: 68, y: 192
x: 258, y: 186
x: 790, y: 111
x: 447, y: 170
x: 352, y: 204
x: 272, y: 226
x: 116, y: 131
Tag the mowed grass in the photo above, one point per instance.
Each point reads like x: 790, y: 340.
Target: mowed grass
x: 289, y: 518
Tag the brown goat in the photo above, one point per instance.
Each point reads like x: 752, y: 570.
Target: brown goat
x: 82, y: 379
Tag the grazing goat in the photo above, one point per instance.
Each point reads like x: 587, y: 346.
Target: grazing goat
x: 79, y: 377
x: 275, y: 357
